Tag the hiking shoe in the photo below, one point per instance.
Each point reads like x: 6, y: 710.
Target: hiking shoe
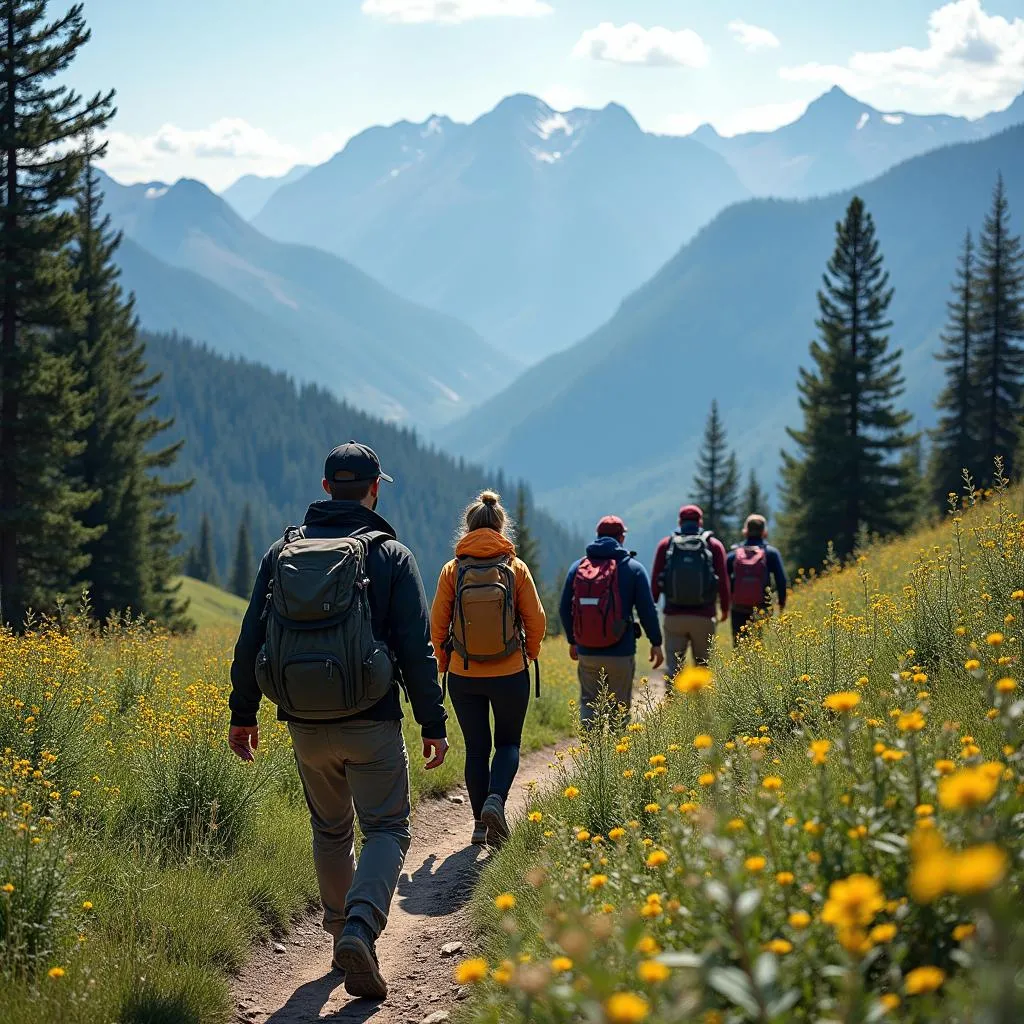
x: 355, y: 955
x: 493, y: 817
x: 479, y: 833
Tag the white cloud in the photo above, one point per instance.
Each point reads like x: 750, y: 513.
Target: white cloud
x: 634, y: 44
x: 973, y: 63
x: 452, y: 12
x: 216, y: 154
x: 753, y: 37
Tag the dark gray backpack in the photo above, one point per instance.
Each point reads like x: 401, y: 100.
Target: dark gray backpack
x: 320, y: 659
x: 689, y: 579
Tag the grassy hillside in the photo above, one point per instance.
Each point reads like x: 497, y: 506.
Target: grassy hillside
x: 731, y: 317
x: 210, y: 607
x: 139, y: 858
x: 825, y: 826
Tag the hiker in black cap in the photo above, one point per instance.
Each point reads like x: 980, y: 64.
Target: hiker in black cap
x: 337, y: 619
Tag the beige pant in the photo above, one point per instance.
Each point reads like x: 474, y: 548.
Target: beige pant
x: 597, y: 671
x: 351, y: 769
x: 682, y: 632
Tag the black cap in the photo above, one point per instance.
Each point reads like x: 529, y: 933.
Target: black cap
x: 353, y: 462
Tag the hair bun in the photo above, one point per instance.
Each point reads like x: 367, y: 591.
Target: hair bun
x: 489, y: 498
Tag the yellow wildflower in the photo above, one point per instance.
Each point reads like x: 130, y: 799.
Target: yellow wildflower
x: 693, y: 679
x: 785, y: 878
x: 597, y: 882
x: 755, y: 864
x: 703, y: 741
x: 505, y: 902
x: 799, y: 919
x: 968, y: 788
x: 779, y: 946
x: 469, y: 972
x: 571, y: 792
x: 561, y: 964
x: 843, y: 701
x: 653, y: 972
x: 912, y: 721
x: 922, y: 980
x: 657, y: 858
x: 626, y: 1008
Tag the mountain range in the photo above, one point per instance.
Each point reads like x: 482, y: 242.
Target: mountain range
x: 528, y: 224
x: 840, y: 141
x: 613, y: 423
x: 249, y: 194
x: 198, y: 268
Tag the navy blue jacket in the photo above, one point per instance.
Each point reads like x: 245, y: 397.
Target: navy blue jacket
x: 635, y: 591
x: 776, y: 571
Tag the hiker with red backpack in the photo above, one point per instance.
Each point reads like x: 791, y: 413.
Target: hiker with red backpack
x: 690, y: 571
x: 487, y: 625
x: 753, y: 567
x: 601, y: 593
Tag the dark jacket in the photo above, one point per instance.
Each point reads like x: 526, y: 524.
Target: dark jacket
x: 776, y: 570
x: 399, y: 618
x: 635, y: 593
x: 717, y: 553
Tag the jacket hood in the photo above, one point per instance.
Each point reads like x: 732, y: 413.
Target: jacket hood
x: 350, y: 515
x: 606, y: 547
x: 484, y: 544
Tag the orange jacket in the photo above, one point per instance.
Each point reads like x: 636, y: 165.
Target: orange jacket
x: 485, y: 544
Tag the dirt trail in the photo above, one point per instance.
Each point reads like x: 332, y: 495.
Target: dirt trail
x: 291, y: 982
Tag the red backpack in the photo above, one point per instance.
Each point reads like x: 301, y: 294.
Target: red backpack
x: 749, y: 576
x: 597, y: 619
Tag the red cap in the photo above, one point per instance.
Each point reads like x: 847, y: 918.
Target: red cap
x: 611, y: 526
x: 691, y: 512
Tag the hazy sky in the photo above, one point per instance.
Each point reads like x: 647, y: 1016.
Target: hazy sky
x: 214, y: 89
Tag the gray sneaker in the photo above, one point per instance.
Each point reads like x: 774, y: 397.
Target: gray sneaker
x: 479, y: 834
x: 493, y: 817
x: 355, y: 955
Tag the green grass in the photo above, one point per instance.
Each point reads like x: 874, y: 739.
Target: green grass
x: 210, y: 607
x: 918, y: 632
x: 160, y: 856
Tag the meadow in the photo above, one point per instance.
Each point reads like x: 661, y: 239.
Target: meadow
x: 139, y: 859
x: 824, y: 826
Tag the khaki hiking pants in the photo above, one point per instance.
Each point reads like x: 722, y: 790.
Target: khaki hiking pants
x: 351, y: 769
x: 681, y: 633
x: 597, y: 671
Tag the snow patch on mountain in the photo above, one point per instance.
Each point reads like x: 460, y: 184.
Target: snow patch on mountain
x: 545, y: 127
x: 893, y: 118
x: 864, y: 118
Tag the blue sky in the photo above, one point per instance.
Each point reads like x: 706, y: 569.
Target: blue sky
x: 217, y: 88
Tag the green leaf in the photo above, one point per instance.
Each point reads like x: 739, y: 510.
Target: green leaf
x: 734, y: 985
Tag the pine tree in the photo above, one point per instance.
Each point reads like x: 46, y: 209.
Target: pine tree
x: 755, y: 499
x: 206, y: 558
x: 954, y: 442
x: 129, y: 568
x: 852, y: 471
x: 1000, y: 346
x: 717, y: 481
x: 242, y: 571
x: 42, y: 412
x: 527, y: 547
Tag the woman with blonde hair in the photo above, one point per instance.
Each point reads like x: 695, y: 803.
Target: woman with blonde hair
x: 487, y: 625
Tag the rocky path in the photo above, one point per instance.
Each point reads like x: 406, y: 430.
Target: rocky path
x: 291, y: 982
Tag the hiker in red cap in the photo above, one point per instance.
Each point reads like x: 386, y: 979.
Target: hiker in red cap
x: 690, y: 571
x: 601, y: 593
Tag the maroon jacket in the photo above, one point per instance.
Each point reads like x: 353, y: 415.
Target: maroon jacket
x: 708, y: 610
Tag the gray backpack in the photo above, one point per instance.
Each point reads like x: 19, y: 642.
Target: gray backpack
x: 689, y: 579
x: 320, y: 659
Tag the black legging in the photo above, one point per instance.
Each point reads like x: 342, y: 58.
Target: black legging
x: 473, y: 699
